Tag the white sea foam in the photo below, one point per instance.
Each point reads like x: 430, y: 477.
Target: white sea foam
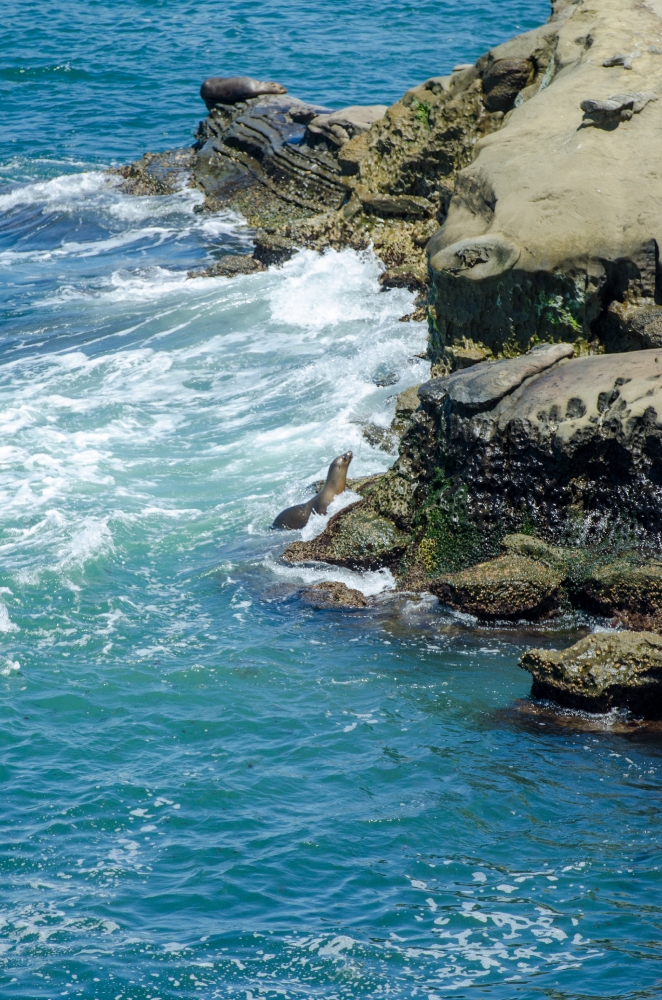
x: 6, y: 624
x: 65, y: 191
x: 370, y: 582
x: 321, y: 290
x: 233, y: 394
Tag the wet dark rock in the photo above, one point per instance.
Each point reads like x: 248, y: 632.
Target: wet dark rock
x: 332, y: 594
x: 579, y: 440
x: 601, y: 672
x: 567, y: 445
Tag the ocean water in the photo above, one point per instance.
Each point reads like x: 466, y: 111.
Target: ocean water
x: 210, y: 789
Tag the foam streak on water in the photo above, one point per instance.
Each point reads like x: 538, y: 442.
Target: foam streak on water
x: 211, y: 789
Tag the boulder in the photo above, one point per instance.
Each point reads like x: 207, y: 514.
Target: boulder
x: 633, y: 594
x: 332, y: 594
x: 357, y: 537
x: 510, y: 587
x: 486, y: 384
x: 503, y: 81
x: 601, y: 672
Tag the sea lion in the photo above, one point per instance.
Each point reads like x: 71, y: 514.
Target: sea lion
x: 231, y: 89
x: 297, y: 517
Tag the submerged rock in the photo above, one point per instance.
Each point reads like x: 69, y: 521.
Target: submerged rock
x: 601, y: 672
x: 508, y: 587
x: 332, y: 594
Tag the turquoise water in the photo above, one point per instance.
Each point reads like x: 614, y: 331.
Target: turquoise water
x: 210, y: 789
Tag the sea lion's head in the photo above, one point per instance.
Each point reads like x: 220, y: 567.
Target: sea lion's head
x: 274, y: 88
x: 342, y: 461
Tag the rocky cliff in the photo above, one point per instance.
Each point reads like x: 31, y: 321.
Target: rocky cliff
x: 552, y: 231
x: 519, y: 197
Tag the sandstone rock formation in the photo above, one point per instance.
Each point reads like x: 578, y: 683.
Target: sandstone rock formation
x: 535, y: 172
x: 600, y: 672
x: 556, y: 219
x: 519, y: 195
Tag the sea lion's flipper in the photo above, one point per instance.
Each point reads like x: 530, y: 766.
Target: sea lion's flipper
x: 294, y: 517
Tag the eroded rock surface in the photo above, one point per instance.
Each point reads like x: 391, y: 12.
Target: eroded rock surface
x: 557, y: 216
x: 581, y: 439
x: 359, y: 539
x: 600, y: 672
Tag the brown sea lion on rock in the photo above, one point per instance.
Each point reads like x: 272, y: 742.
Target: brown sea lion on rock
x: 231, y: 89
x: 297, y: 517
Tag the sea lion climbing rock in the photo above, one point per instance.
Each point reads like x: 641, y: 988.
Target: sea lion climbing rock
x: 297, y: 516
x: 231, y: 89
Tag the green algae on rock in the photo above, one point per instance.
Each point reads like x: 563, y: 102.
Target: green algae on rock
x: 603, y: 671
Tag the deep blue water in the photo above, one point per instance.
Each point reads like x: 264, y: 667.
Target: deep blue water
x: 210, y: 789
